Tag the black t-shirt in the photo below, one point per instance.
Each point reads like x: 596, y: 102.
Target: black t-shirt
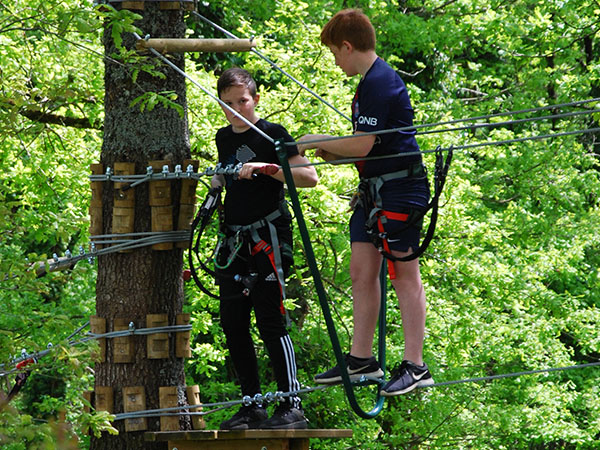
x: 247, y: 201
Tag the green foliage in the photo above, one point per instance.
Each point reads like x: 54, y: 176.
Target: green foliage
x: 149, y: 100
x: 511, y: 278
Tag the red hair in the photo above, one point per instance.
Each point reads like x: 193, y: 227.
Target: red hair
x: 350, y: 25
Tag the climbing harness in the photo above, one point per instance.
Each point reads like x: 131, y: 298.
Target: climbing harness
x: 376, y: 217
x: 273, y: 251
x: 231, y: 240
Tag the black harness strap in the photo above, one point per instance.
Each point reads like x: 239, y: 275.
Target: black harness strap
x: 201, y: 221
x: 376, y: 215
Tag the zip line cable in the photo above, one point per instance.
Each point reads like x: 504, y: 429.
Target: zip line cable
x: 270, y: 397
x: 511, y: 122
x: 512, y: 375
x: 511, y: 113
x: 400, y: 129
x: 445, y: 149
x: 131, y: 331
x: 416, y: 127
x: 258, y: 399
x: 466, y: 127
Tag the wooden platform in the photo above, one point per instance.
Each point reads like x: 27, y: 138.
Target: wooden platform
x: 243, y: 439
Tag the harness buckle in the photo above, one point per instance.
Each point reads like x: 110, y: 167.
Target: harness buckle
x: 262, y: 245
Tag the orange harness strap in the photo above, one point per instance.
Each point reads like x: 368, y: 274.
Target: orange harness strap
x: 401, y: 217
x: 268, y: 250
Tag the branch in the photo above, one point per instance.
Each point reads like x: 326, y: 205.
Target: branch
x: 43, y: 117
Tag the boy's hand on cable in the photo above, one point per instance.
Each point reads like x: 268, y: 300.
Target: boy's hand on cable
x: 325, y: 154
x: 303, y: 147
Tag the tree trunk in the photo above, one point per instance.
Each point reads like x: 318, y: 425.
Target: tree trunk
x: 143, y: 281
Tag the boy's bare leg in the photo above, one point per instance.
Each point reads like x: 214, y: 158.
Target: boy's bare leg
x: 411, y: 299
x: 365, y: 264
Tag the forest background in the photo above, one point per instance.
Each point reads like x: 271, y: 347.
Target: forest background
x: 511, y: 277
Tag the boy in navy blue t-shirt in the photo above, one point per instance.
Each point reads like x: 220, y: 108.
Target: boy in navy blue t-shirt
x: 396, y: 186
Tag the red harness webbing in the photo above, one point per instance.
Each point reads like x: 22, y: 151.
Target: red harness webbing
x: 262, y: 245
x: 401, y: 217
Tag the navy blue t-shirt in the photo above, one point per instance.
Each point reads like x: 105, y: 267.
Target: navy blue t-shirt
x: 247, y: 201
x: 381, y: 102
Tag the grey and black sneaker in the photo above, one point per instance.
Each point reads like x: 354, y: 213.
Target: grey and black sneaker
x: 247, y: 417
x: 357, y: 367
x: 406, y: 378
x: 286, y: 417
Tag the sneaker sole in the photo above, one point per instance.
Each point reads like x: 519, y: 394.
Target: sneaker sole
x: 246, y: 426
x: 251, y: 426
x: 412, y: 387
x: 289, y: 426
x: 353, y: 377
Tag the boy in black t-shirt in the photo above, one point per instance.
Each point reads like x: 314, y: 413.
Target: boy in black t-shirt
x: 257, y: 250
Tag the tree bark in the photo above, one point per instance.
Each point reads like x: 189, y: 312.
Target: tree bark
x: 144, y: 281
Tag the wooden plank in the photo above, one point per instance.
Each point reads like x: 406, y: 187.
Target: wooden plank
x: 160, y: 190
x: 182, y: 340
x: 98, y: 326
x: 196, y: 435
x: 187, y: 200
x: 124, y: 199
x: 270, y: 444
x: 124, y: 202
x: 203, y: 435
x: 160, y: 203
x: 299, y: 444
x: 133, y: 5
x: 104, y: 399
x: 96, y: 186
x: 193, y: 397
x: 172, y: 45
x: 278, y: 434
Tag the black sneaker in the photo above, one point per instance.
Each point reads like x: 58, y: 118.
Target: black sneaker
x: 357, y: 367
x: 247, y: 417
x: 406, y: 378
x: 286, y: 417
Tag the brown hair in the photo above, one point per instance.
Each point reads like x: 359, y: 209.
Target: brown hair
x: 236, y: 77
x: 350, y: 25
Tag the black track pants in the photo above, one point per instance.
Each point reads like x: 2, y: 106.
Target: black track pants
x: 235, y: 309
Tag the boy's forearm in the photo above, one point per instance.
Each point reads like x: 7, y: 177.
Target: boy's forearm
x: 305, y: 177
x: 354, y: 147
